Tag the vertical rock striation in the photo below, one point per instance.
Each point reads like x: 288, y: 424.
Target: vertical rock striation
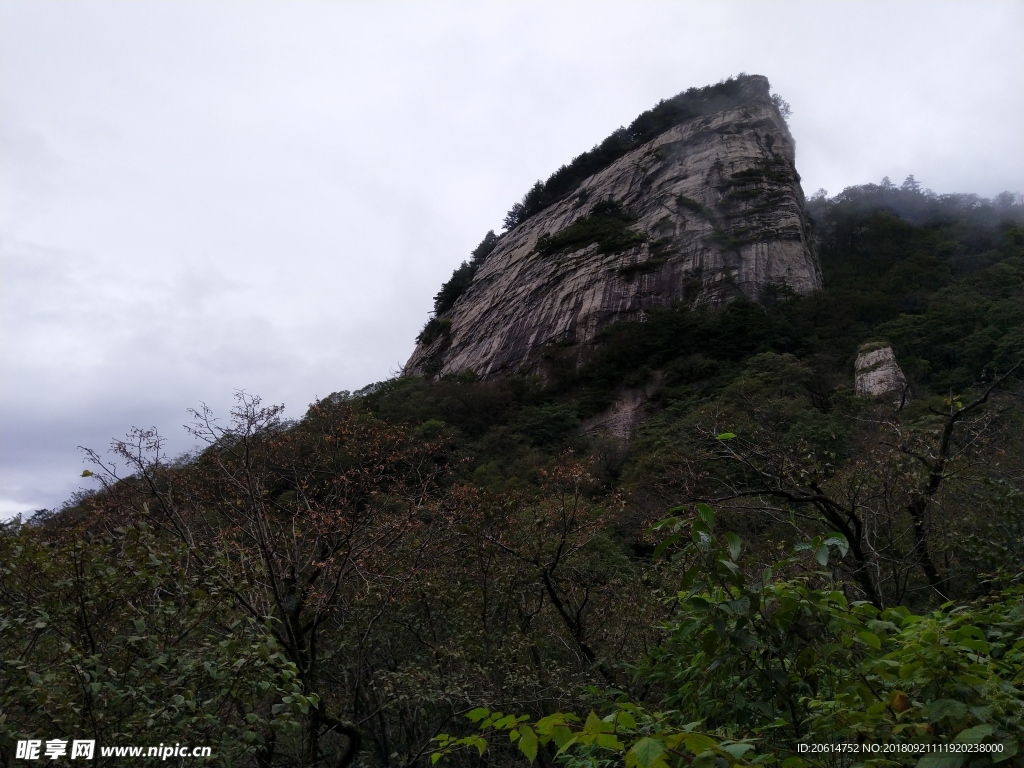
x: 878, y: 374
x: 709, y: 210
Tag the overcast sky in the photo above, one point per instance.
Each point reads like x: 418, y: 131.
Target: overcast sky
x: 197, y: 198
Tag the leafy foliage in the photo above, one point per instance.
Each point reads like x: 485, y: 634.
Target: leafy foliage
x: 435, y: 328
x: 943, y: 285
x: 418, y: 550
x: 115, y: 637
x: 462, y: 277
x: 629, y: 734
x: 607, y: 225
x: 764, y: 663
x: 793, y: 660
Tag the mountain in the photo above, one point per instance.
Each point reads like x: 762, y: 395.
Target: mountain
x: 698, y: 200
x: 822, y: 485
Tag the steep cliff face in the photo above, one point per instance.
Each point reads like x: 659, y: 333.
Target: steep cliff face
x: 709, y: 210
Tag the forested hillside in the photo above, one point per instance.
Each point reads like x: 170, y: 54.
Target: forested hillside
x: 473, y: 572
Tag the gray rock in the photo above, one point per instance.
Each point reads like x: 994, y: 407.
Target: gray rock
x: 625, y: 414
x: 879, y: 375
x: 717, y: 200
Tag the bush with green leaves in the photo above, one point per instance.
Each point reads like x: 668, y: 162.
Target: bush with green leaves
x: 607, y: 226
x: 435, y: 328
x: 113, y: 638
x: 785, y: 657
x: 462, y: 277
x: 755, y: 664
x: 629, y: 734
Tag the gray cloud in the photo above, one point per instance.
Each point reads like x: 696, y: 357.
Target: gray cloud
x: 199, y: 198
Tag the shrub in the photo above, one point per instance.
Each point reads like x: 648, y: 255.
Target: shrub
x: 693, y: 205
x: 463, y: 275
x: 434, y: 329
x: 607, y: 225
x: 631, y: 271
x: 758, y: 663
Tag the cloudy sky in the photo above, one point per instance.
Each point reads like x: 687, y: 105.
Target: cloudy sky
x: 198, y: 198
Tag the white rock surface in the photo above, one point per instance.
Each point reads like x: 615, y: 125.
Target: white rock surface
x: 729, y: 236
x: 879, y: 375
x: 625, y: 414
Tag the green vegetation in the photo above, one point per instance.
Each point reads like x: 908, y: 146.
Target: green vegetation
x: 777, y: 171
x: 754, y: 667
x: 607, y: 226
x: 463, y: 275
x: 751, y: 191
x: 945, y: 288
x: 692, y: 103
x: 348, y: 588
x: 694, y: 206
x: 435, y: 328
x: 631, y: 271
x: 872, y: 346
x: 117, y: 637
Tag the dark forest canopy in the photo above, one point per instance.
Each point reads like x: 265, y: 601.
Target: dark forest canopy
x: 347, y: 588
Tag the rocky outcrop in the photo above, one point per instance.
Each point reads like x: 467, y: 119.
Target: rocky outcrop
x: 625, y: 414
x: 709, y: 210
x: 879, y: 375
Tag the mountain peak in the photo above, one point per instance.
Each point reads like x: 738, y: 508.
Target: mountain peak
x: 697, y: 201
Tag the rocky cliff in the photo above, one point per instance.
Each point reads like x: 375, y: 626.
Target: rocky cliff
x: 708, y: 210
x: 879, y: 375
